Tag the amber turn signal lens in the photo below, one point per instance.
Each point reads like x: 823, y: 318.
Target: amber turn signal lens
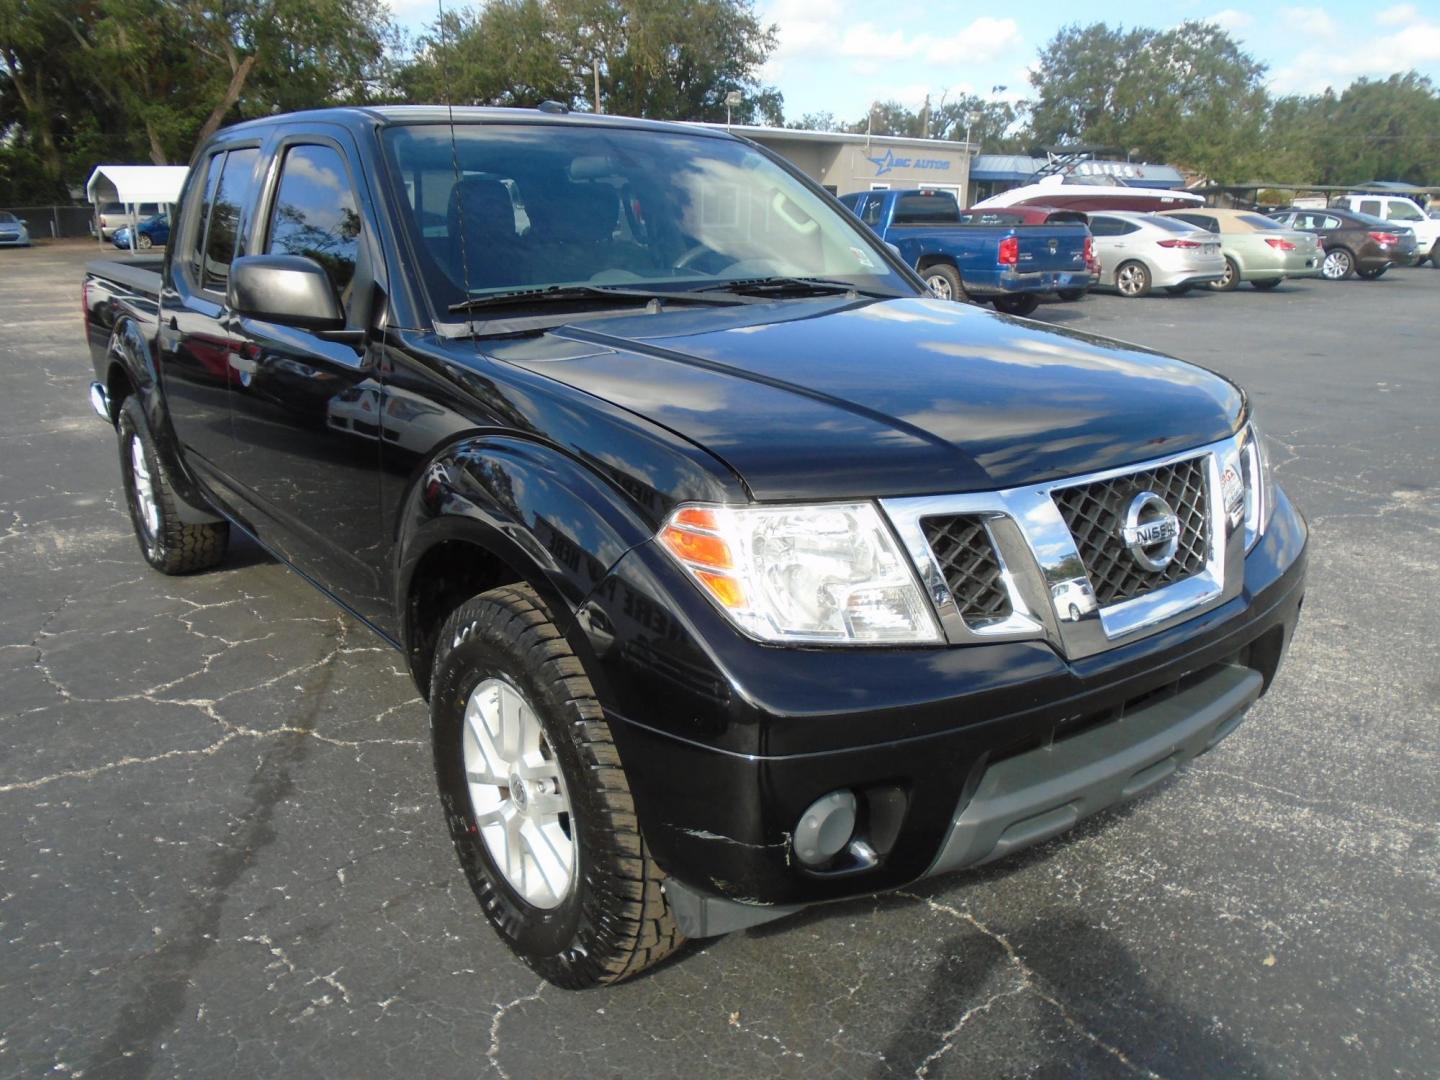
x: 696, y: 517
x: 725, y: 589
x: 692, y: 547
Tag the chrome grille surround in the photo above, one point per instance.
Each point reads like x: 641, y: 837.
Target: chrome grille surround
x: 1038, y: 556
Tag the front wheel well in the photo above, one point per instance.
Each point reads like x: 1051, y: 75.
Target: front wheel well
x: 446, y: 576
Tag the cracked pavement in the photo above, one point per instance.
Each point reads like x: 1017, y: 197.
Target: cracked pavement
x: 223, y: 855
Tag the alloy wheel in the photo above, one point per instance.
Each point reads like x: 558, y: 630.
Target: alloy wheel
x: 940, y: 287
x: 518, y: 794
x: 144, y: 489
x: 1131, y: 279
x: 1336, y: 265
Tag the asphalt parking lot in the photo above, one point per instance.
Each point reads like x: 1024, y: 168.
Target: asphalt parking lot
x: 222, y: 854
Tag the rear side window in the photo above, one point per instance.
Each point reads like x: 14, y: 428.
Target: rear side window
x: 926, y: 209
x: 1170, y: 224
x: 1104, y: 226
x: 1200, y: 221
x: 199, y: 212
x: 223, y: 233
x: 315, y: 214
x: 1370, y: 206
x: 873, y: 207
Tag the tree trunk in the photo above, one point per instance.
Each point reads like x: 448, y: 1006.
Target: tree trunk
x: 157, y: 151
x: 232, y: 95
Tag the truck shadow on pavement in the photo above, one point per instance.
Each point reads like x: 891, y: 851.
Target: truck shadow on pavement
x: 1061, y: 995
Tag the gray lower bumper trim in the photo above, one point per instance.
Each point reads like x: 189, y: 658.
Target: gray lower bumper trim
x: 1035, y: 795
x: 699, y: 915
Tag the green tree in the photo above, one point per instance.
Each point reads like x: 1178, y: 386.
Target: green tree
x: 666, y: 59
x: 1189, y: 96
x: 1386, y: 129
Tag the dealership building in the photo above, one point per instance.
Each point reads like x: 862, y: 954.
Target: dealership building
x: 846, y: 163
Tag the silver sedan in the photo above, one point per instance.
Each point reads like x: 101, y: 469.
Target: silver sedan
x: 1140, y: 252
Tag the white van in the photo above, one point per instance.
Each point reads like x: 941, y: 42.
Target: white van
x: 1402, y: 211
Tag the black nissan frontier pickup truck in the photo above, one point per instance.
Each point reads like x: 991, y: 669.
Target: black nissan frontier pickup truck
x: 740, y: 573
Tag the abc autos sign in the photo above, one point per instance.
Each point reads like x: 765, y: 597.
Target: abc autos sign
x: 892, y: 161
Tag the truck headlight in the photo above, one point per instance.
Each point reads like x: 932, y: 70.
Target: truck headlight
x: 828, y: 574
x: 1259, y: 484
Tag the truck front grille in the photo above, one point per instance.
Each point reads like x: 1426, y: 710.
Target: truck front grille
x: 962, y: 546
x: 1095, y: 515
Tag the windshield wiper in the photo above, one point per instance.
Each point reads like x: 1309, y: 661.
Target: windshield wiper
x: 813, y: 286
x: 569, y: 293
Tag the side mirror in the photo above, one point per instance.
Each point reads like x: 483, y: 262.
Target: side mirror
x: 287, y: 289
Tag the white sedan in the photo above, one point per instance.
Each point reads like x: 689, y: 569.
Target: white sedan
x: 1140, y: 252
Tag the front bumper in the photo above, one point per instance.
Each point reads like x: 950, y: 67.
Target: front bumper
x: 957, y: 755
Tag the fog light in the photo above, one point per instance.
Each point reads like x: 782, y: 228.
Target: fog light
x: 825, y: 828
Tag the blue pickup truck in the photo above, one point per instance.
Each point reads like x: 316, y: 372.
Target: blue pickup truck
x: 1008, y: 264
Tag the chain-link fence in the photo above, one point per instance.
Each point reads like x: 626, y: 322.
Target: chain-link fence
x: 56, y: 221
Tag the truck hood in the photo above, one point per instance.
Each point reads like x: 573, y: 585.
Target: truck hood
x: 844, y: 399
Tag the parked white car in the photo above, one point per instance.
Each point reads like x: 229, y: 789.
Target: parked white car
x: 1139, y: 252
x: 1401, y: 211
x: 13, y: 232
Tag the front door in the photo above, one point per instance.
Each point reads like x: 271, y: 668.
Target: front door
x: 304, y: 404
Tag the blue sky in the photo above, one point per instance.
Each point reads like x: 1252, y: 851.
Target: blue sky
x: 839, y: 55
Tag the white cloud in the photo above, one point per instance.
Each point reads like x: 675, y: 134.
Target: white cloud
x: 806, y: 27
x: 1398, y: 15
x: 1415, y: 45
x: 1310, y: 21
x: 869, y: 44
x: 1230, y: 19
x: 865, y: 41
x: 982, y: 39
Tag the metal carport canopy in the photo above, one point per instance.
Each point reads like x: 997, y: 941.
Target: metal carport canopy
x: 134, y: 184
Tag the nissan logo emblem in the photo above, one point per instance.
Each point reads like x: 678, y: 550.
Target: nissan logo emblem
x: 1151, y: 532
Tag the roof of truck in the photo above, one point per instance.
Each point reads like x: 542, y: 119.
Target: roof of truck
x: 369, y: 115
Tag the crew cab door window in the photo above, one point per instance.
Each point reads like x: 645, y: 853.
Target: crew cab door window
x: 222, y: 233
x: 1370, y: 206
x: 1399, y: 210
x: 315, y: 214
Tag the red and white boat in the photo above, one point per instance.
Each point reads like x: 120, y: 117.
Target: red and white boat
x: 1073, y: 191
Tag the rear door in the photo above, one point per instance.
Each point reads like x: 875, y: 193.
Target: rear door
x: 194, y: 347
x: 305, y: 404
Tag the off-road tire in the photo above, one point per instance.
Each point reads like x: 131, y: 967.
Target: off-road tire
x: 615, y: 920
x: 946, y: 276
x: 1024, y: 304
x: 174, y: 547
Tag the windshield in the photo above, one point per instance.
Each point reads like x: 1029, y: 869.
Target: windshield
x: 7, y: 217
x: 532, y: 206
